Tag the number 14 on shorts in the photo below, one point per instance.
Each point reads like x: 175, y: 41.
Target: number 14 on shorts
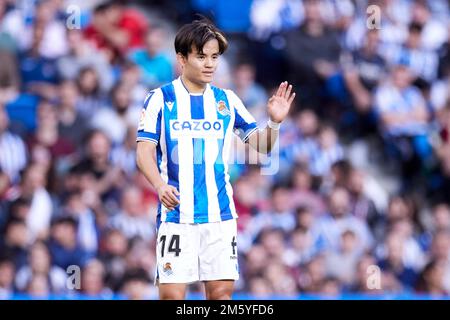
x: 174, y: 244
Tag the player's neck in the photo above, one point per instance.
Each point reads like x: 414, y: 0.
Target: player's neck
x: 192, y: 87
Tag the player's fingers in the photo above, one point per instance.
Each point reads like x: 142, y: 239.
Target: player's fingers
x: 167, y: 205
x: 280, y: 89
x: 175, y: 191
x: 283, y: 89
x: 173, y: 199
x: 169, y: 200
x: 291, y: 98
x: 288, y: 92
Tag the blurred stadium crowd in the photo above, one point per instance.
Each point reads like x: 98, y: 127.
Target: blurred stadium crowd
x: 364, y: 176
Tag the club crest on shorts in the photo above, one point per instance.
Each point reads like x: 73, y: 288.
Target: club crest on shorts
x: 222, y: 108
x: 168, y: 269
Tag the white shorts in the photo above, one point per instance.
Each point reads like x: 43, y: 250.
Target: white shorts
x: 187, y: 253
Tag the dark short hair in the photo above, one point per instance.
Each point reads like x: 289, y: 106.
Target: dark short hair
x: 415, y: 27
x: 196, y: 34
x: 64, y: 219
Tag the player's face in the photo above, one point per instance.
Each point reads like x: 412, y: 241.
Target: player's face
x: 199, y: 67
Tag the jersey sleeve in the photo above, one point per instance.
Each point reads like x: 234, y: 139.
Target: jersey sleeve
x: 244, y: 123
x: 149, y: 128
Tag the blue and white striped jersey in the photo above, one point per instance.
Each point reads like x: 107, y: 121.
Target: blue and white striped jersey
x: 193, y: 134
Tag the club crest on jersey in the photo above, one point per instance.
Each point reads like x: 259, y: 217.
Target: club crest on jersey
x: 222, y: 108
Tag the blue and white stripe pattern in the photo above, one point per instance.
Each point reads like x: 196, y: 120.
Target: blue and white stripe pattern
x: 13, y: 155
x: 193, y: 134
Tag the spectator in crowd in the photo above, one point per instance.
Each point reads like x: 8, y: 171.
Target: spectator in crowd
x: 112, y: 256
x: 272, y: 240
x: 72, y: 124
x: 13, y: 157
x: 41, y: 266
x: 431, y: 279
x: 423, y: 63
x: 7, y: 271
x: 403, y: 116
x: 38, y: 74
x: 92, y: 281
x: 341, y: 264
x: 115, y: 121
x: 130, y: 76
x: 123, y: 156
x: 154, y: 63
x: 132, y: 220
x: 439, y: 221
x: 444, y: 56
x: 82, y: 55
x: 9, y: 76
x: 47, y: 135
x: 92, y: 97
x: 15, y: 242
x: 363, y: 69
x: 440, y: 250
x: 33, y: 186
x: 434, y: 31
x: 260, y: 288
x: 141, y: 256
x: 392, y: 29
x: 328, y: 228
x: 136, y: 285
x: 280, y: 215
x: 63, y: 245
x: 102, y: 177
x: 301, y: 247
x: 88, y: 228
x: 362, y: 206
x: 116, y: 29
x: 308, y: 124
x: 394, y: 261
x: 439, y: 92
x: 320, y: 54
x: 313, y: 275
x: 38, y: 287
x: 255, y: 261
x: 304, y: 195
x: 329, y: 150
x: 280, y: 279
x: 53, y: 30
x: 251, y: 93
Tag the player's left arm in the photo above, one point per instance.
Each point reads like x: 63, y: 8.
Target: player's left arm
x: 277, y: 108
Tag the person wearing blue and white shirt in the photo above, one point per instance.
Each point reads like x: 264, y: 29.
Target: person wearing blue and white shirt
x: 184, y: 138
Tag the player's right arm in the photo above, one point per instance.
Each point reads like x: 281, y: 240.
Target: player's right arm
x: 146, y: 162
x: 148, y: 136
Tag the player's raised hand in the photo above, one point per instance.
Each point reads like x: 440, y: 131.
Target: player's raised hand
x: 280, y: 103
x: 168, y: 195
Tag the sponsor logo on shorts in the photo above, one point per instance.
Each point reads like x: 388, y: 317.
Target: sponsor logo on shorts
x: 168, y: 269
